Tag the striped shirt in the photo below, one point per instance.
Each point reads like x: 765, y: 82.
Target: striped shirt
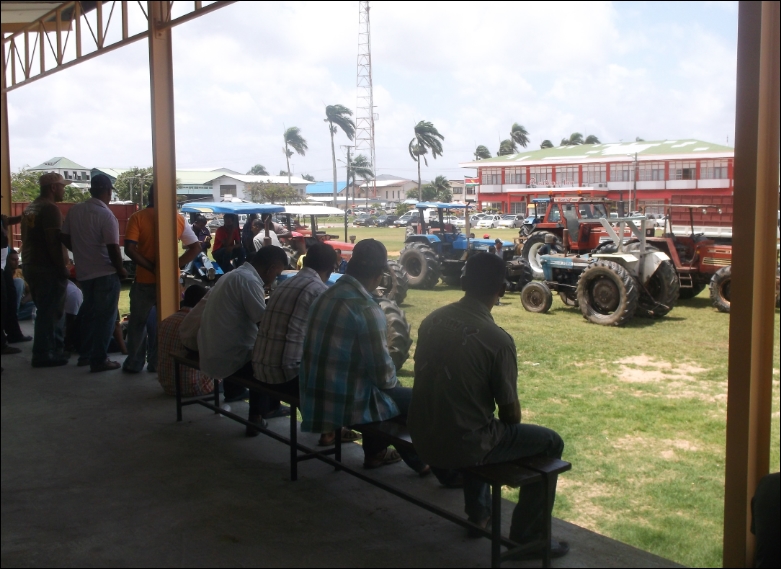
x: 280, y: 343
x: 194, y: 383
x: 346, y: 363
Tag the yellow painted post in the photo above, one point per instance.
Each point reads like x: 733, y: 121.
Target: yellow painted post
x: 753, y: 268
x: 5, y: 151
x: 164, y: 157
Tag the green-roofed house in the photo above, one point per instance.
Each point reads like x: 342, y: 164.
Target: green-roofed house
x: 76, y: 174
x: 662, y: 167
x: 191, y: 184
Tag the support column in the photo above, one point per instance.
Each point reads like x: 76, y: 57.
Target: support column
x: 753, y: 260
x: 164, y: 157
x: 5, y: 150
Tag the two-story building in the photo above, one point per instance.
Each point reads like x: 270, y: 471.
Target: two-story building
x: 637, y: 173
x: 76, y: 174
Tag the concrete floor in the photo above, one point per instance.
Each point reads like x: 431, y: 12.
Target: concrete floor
x: 96, y: 472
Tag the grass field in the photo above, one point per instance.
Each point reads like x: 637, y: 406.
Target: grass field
x: 642, y: 410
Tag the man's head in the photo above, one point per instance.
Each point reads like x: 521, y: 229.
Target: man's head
x: 192, y: 296
x: 199, y: 222
x: 100, y: 187
x: 483, y: 278
x: 338, y: 254
x: 368, y: 263
x: 321, y: 258
x: 549, y: 238
x: 257, y: 226
x: 269, y: 262
x: 12, y: 261
x: 231, y: 220
x: 498, y: 243
x: 52, y: 186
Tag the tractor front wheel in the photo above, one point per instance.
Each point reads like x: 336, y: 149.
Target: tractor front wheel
x: 720, y: 289
x: 536, y: 297
x: 607, y: 294
x: 532, y: 245
x: 421, y: 264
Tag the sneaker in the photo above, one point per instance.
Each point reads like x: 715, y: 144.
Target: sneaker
x: 108, y: 365
x: 19, y: 339
x: 8, y: 350
x: 557, y: 549
x: 50, y: 363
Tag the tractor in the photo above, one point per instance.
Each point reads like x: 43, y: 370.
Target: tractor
x: 575, y: 223
x: 609, y: 287
x: 439, y: 249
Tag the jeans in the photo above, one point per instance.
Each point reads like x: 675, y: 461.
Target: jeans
x: 47, y: 287
x: 143, y: 297
x: 519, y: 441
x: 261, y: 404
x: 402, y: 396
x: 24, y: 311
x: 223, y: 257
x: 98, y: 317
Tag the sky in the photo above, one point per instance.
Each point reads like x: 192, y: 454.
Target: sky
x: 244, y: 73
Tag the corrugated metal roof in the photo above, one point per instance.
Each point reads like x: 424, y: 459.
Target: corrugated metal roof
x: 646, y: 150
x: 59, y: 162
x: 249, y: 179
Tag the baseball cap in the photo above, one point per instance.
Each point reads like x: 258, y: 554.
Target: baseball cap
x: 51, y: 178
x: 101, y: 182
x: 370, y: 253
x: 497, y: 241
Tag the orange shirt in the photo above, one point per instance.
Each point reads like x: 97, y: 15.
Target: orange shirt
x: 142, y: 228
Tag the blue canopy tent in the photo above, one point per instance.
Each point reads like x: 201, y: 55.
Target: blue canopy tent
x: 231, y: 207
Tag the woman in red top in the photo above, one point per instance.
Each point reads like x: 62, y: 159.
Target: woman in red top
x: 227, y: 244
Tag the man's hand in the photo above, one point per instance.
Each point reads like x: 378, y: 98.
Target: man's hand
x: 131, y: 248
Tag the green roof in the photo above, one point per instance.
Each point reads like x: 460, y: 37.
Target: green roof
x: 59, y: 162
x: 599, y: 152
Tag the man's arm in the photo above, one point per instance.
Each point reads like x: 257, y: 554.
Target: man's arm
x: 115, y: 254
x: 374, y: 349
x: 52, y: 228
x: 510, y: 413
x: 131, y: 248
x: 504, y: 384
x: 190, y: 253
x: 66, y: 240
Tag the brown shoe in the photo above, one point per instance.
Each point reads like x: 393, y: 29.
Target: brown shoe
x: 388, y: 456
x: 108, y: 365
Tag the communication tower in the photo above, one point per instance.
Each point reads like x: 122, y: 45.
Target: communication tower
x: 365, y: 116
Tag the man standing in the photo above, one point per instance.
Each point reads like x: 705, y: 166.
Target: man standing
x: 45, y: 270
x: 465, y: 365
x: 91, y: 231
x: 229, y: 324
x: 141, y: 247
x: 347, y: 376
x: 227, y: 244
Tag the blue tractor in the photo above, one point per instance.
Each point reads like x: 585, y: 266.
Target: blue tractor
x: 439, y: 249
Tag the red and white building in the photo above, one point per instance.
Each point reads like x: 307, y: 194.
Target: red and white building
x: 638, y: 173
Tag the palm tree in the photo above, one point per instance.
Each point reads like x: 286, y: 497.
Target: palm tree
x: 426, y: 138
x: 294, y: 140
x: 481, y: 153
x: 338, y: 116
x: 519, y: 135
x: 258, y: 170
x: 360, y: 167
x: 442, y: 186
x: 638, y: 139
x: 591, y: 139
x: 546, y: 144
x: 506, y: 147
x: 574, y: 139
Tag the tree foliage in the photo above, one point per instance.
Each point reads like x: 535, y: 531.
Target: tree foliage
x: 24, y: 185
x: 638, y: 139
x: 338, y: 116
x: 506, y: 147
x: 481, y: 153
x: 258, y: 170
x: 519, y: 135
x: 308, y: 177
x: 574, y: 139
x: 592, y: 139
x: 262, y: 192
x: 75, y: 195
x: 427, y: 193
x: 283, y: 173
x: 137, y: 179
x: 546, y: 144
x: 360, y: 167
x: 294, y: 140
x: 443, y: 189
x: 427, y: 138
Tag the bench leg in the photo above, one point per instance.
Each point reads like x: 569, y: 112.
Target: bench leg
x: 338, y: 446
x: 216, y: 396
x: 293, y: 443
x: 178, y: 381
x: 496, y: 525
x: 547, y: 519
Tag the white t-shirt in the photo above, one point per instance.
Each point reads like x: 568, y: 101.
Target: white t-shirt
x: 188, y: 329
x: 258, y: 239
x: 91, y: 226
x: 73, y: 299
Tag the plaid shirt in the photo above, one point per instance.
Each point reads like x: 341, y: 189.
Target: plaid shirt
x: 193, y: 382
x: 280, y: 343
x: 346, y: 363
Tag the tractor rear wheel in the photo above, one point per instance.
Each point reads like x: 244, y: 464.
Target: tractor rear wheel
x: 532, y: 245
x: 687, y: 293
x: 394, y: 283
x: 607, y: 294
x: 536, y: 297
x: 421, y: 264
x: 398, y: 332
x: 658, y: 296
x: 720, y: 284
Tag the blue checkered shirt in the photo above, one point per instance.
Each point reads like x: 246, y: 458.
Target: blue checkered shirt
x: 346, y: 363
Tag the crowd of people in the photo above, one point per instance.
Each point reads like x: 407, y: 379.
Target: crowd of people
x: 327, y: 345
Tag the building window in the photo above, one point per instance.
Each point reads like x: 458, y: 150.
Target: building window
x: 228, y: 189
x: 470, y: 190
x: 541, y: 176
x: 650, y: 171
x: 518, y: 207
x: 491, y: 176
x: 457, y: 189
x: 713, y: 170
x: 683, y: 170
x: 622, y: 172
x: 566, y: 176
x: 594, y: 174
x: 66, y: 175
x: 515, y: 176
x: 85, y: 176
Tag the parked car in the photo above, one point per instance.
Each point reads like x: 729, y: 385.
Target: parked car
x: 490, y: 221
x: 406, y: 219
x: 386, y: 220
x: 477, y: 217
x: 514, y: 220
x: 365, y: 220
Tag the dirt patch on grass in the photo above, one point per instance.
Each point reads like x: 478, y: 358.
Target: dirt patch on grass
x: 679, y: 380
x: 667, y: 449
x: 585, y: 511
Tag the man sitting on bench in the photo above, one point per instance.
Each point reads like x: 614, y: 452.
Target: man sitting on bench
x: 465, y: 365
x: 347, y: 375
